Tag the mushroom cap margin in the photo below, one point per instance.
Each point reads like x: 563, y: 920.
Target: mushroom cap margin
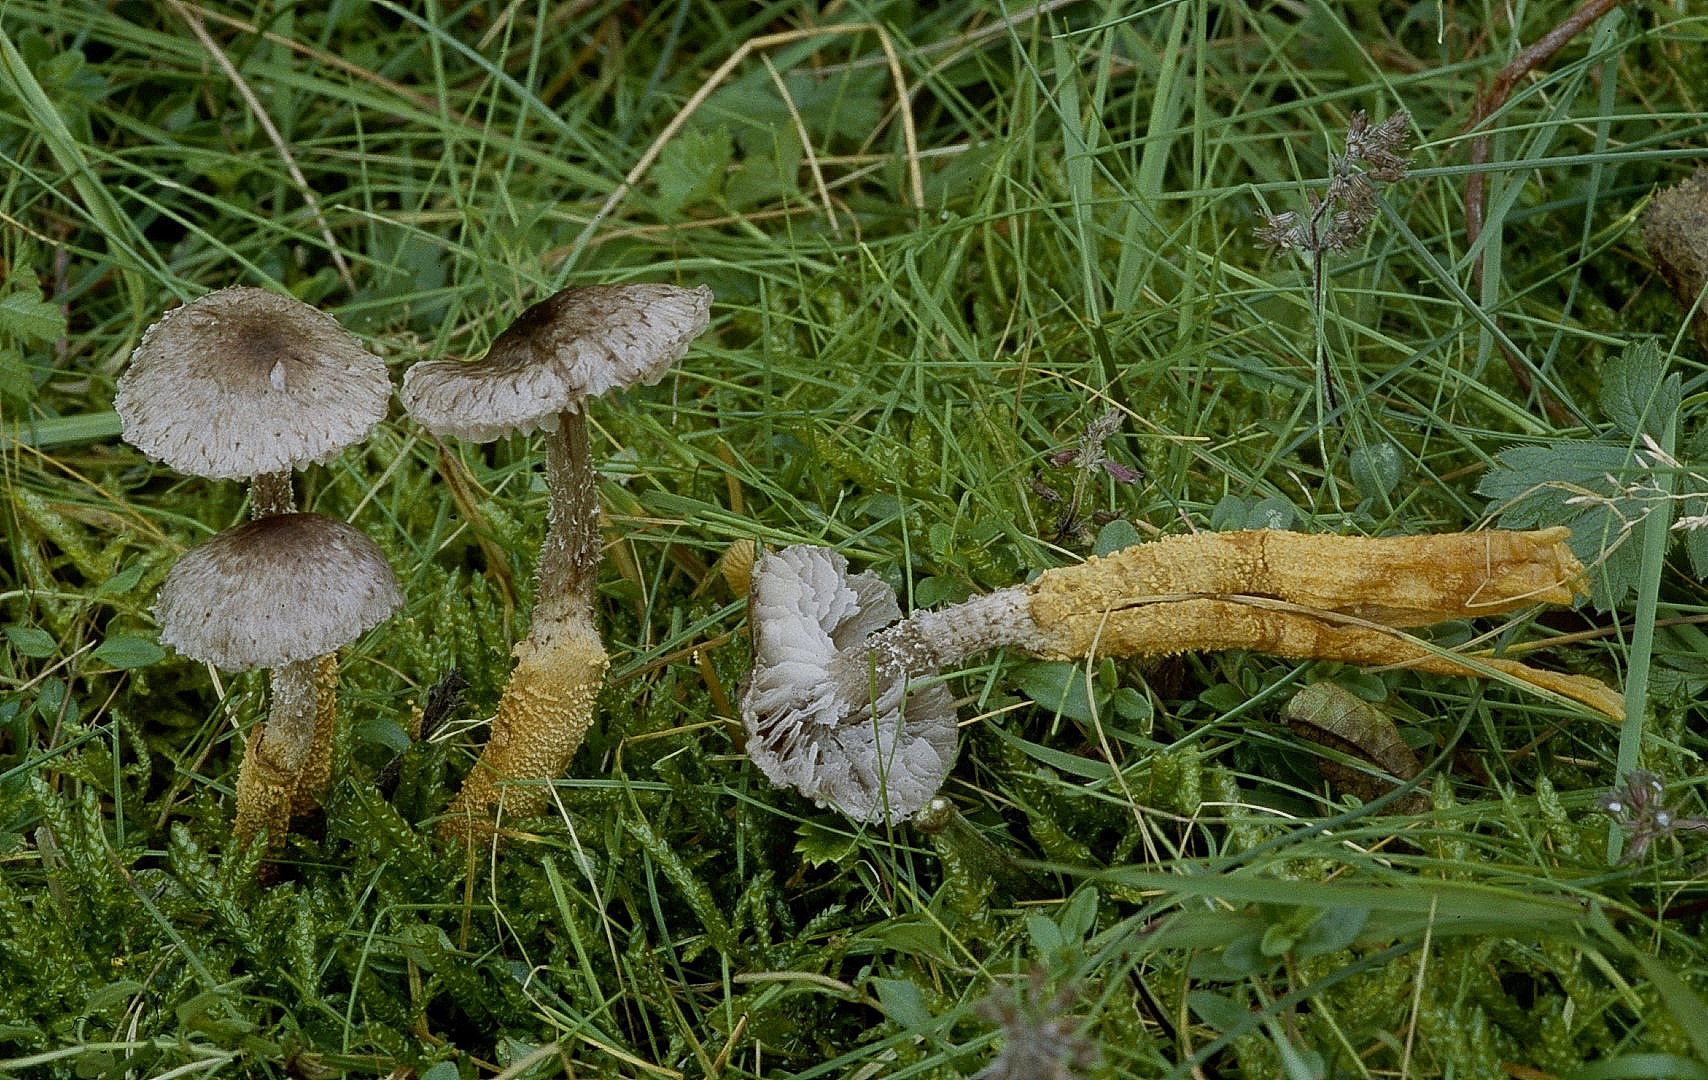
x: 578, y: 343
x: 274, y: 591
x: 244, y: 381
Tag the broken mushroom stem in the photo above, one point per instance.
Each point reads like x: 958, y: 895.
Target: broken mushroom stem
x: 841, y: 704
x: 1293, y: 595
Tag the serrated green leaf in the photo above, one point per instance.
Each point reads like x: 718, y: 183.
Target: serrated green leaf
x: 32, y: 641
x: 15, y: 379
x: 29, y: 318
x: 1696, y: 537
x: 691, y: 169
x: 1532, y: 484
x: 817, y: 845
x: 1635, y: 390
x: 129, y: 651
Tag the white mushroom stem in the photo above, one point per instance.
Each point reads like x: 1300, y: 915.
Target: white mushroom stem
x: 547, y: 706
x: 928, y: 641
x: 569, y: 556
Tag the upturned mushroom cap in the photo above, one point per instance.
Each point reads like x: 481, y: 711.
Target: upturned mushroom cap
x: 573, y: 345
x: 884, y: 757
x: 244, y: 381
x: 275, y: 591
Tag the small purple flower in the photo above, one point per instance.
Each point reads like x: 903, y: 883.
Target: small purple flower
x: 1639, y: 807
x: 1086, y: 458
x: 1121, y: 473
x: 1040, y: 1039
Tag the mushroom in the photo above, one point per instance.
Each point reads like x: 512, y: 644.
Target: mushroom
x: 247, y: 384
x: 876, y: 744
x: 282, y: 592
x: 830, y: 659
x: 537, y: 375
x: 243, y: 383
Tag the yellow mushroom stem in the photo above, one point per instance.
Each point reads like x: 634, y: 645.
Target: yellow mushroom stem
x: 316, y: 772
x: 287, y: 758
x: 1310, y: 597
x: 1391, y: 580
x: 543, y: 716
x: 1259, y: 624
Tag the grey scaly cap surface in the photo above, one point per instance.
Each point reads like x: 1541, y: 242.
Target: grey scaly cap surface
x: 884, y: 757
x: 244, y: 381
x: 573, y: 345
x: 275, y: 591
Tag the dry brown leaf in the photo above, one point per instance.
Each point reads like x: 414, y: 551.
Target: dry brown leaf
x: 1675, y: 230
x: 1332, y: 716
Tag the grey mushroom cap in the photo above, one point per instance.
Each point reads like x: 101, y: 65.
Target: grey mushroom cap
x: 573, y: 345
x: 244, y: 381
x: 275, y: 591
x: 873, y: 760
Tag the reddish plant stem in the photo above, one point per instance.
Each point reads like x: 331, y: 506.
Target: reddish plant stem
x: 1488, y: 102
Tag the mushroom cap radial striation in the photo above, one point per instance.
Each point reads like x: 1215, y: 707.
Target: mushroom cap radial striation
x: 573, y: 345
x: 244, y: 381
x: 277, y: 590
x: 877, y: 759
